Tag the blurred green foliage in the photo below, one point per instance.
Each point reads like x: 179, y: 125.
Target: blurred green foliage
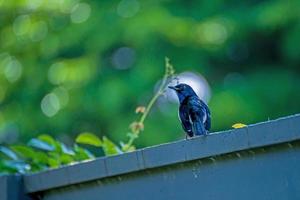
x: 42, y: 153
x: 70, y: 66
x: 45, y: 152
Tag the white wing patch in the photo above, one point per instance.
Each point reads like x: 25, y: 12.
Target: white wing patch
x: 190, y: 120
x: 204, y: 117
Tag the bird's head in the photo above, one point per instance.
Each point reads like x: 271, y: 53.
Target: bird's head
x: 183, y: 90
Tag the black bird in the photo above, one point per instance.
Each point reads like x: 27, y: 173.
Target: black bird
x: 194, y: 114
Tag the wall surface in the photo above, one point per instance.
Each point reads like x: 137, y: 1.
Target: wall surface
x: 264, y: 173
x: 260, y: 161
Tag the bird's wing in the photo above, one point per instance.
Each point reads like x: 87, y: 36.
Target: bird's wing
x: 207, y: 122
x: 198, y: 128
x: 199, y: 115
x: 185, y: 120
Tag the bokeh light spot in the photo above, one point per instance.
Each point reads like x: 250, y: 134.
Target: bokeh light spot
x: 34, y: 4
x: 212, y: 33
x: 39, y: 31
x: 21, y: 25
x: 73, y: 72
x: 128, y: 8
x: 80, y: 12
x: 62, y: 95
x: 215, y: 33
x: 123, y: 58
x: 56, y: 73
x: 50, y: 105
x: 13, y: 70
x: 196, y: 81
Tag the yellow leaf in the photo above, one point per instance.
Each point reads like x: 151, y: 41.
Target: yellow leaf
x: 238, y: 125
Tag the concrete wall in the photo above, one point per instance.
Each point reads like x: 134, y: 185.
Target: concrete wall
x: 260, y: 161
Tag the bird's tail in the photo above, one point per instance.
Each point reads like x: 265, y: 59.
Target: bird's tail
x: 198, y: 128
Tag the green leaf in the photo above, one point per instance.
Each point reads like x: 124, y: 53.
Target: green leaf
x: 47, y: 138
x: 39, y: 144
x: 89, y: 138
x: 13, y: 166
x: 5, y: 168
x: 28, y: 153
x: 109, y: 147
x: 65, y: 149
x: 82, y: 154
x: 53, y: 163
x: 37, y: 167
x: 66, y: 159
x: 23, y: 151
x: 51, y: 141
x: 9, y: 153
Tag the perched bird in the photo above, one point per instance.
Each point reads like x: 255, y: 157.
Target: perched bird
x: 194, y: 114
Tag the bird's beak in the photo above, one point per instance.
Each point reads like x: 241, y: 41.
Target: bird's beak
x: 173, y: 88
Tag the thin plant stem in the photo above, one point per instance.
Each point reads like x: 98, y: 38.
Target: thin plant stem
x: 168, y: 73
x: 153, y: 100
